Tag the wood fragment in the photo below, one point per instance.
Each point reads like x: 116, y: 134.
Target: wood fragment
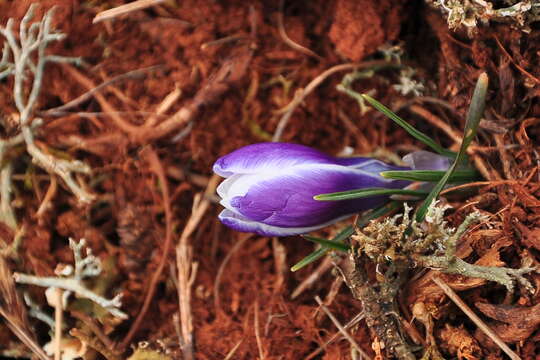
x: 342, y: 330
x: 187, y: 269
x: 125, y: 9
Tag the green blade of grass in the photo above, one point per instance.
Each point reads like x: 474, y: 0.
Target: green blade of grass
x: 364, y: 193
x: 476, y: 109
x: 311, y: 258
x: 327, y: 243
x: 420, y: 136
x: 320, y: 252
x: 430, y: 175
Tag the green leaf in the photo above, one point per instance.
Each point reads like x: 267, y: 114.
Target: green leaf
x: 317, y: 254
x: 312, y: 257
x: 408, y: 127
x: 327, y: 243
x: 364, y: 193
x: 430, y: 175
x: 344, y: 234
x: 476, y: 109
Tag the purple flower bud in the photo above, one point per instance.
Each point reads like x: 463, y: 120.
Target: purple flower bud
x: 270, y: 187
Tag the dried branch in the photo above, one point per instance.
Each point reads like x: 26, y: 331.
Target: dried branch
x: 187, y: 268
x: 378, y: 302
x: 342, y: 329
x: 481, y: 325
x: 125, y: 9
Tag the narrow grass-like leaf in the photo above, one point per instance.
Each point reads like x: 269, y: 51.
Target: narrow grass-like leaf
x: 327, y: 243
x: 365, y: 193
x: 476, y: 109
x: 430, y: 175
x: 420, y: 136
x: 311, y: 258
x: 320, y: 252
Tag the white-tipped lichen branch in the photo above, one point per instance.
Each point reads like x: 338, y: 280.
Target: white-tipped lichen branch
x: 471, y: 13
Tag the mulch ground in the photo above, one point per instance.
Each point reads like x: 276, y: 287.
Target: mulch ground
x: 233, y: 67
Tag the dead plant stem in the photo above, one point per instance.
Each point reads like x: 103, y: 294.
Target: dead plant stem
x: 342, y: 330
x: 481, y: 325
x: 58, y: 319
x: 257, y: 331
x: 287, y: 40
x: 187, y: 269
x: 125, y: 9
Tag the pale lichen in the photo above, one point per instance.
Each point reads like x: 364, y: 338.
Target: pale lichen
x: 431, y: 244
x: 398, y: 244
x: 24, y: 58
x: 472, y: 13
x: 70, y: 278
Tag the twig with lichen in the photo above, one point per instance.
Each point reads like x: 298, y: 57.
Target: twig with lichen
x: 469, y: 13
x: 25, y: 58
x: 71, y: 279
x: 400, y: 243
x: 432, y: 244
x: 378, y: 301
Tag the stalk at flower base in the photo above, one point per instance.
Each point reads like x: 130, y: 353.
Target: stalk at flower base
x: 269, y: 187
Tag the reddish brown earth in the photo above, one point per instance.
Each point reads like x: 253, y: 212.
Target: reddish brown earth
x: 241, y: 295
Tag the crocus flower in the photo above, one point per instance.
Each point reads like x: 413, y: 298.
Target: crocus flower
x: 269, y: 187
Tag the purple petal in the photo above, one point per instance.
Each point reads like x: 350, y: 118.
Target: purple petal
x: 286, y: 199
x: 240, y: 223
x: 425, y: 160
x: 268, y: 157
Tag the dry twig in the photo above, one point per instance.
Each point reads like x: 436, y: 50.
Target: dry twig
x: 355, y: 320
x: 300, y: 96
x: 315, y: 275
x: 481, y: 325
x: 342, y: 329
x: 187, y: 269
x: 125, y: 9
x: 287, y: 40
x: 58, y: 320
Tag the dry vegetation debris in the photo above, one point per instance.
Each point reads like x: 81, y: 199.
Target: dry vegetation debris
x: 184, y: 82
